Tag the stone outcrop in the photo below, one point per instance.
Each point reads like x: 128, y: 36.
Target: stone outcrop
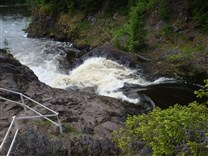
x: 92, y: 118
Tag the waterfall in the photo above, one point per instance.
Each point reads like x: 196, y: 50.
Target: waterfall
x: 106, y: 77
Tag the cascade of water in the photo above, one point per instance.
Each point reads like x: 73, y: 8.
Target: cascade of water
x: 43, y: 57
x: 106, y: 76
x: 31, y: 52
x: 103, y: 76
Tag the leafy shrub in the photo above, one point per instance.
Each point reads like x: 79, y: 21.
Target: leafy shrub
x: 134, y: 30
x: 121, y: 37
x: 199, y: 9
x: 178, y: 130
x: 83, y: 25
x: 203, y: 92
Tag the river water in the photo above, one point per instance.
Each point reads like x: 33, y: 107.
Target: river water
x: 98, y: 75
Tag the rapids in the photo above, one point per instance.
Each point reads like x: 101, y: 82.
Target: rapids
x: 47, y: 59
x: 106, y: 76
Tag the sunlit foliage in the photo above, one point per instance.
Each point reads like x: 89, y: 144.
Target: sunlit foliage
x: 178, y: 130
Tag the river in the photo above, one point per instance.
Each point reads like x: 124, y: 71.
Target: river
x: 46, y: 58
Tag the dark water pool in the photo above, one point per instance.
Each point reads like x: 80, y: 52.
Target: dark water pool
x: 165, y: 95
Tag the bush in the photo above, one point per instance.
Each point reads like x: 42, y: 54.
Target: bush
x: 178, y: 130
x: 121, y: 37
x: 199, y: 9
x: 135, y: 29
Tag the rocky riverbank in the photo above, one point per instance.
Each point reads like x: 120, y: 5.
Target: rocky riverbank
x: 177, y: 47
x: 88, y: 120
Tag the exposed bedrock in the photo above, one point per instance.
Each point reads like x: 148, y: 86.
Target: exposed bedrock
x: 87, y: 119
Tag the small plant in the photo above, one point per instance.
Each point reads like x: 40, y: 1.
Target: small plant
x: 43, y: 123
x: 70, y: 128
x: 83, y: 25
x: 203, y: 92
x: 178, y: 130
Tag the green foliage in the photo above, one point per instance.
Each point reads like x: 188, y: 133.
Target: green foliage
x: 178, y: 130
x: 134, y: 32
x: 203, y: 92
x: 187, y: 52
x: 83, y: 25
x: 121, y: 37
x: 43, y: 123
x: 70, y: 128
x: 135, y: 29
x: 199, y: 9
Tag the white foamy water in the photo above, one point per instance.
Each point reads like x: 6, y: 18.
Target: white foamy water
x: 43, y: 57
x: 30, y: 52
x: 106, y: 76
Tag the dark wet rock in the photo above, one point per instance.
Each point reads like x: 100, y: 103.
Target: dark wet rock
x: 109, y: 52
x: 13, y: 74
x: 87, y: 145
x: 139, y: 147
x: 131, y: 60
x: 30, y: 142
x: 93, y: 116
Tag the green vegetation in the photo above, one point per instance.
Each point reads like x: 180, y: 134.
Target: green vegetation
x: 199, y: 9
x: 45, y: 123
x: 187, y: 52
x: 172, y: 29
x: 134, y: 31
x: 83, y: 25
x: 69, y: 128
x: 178, y: 130
x: 131, y: 36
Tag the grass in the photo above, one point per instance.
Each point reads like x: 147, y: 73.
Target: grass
x: 43, y: 123
x: 69, y: 128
